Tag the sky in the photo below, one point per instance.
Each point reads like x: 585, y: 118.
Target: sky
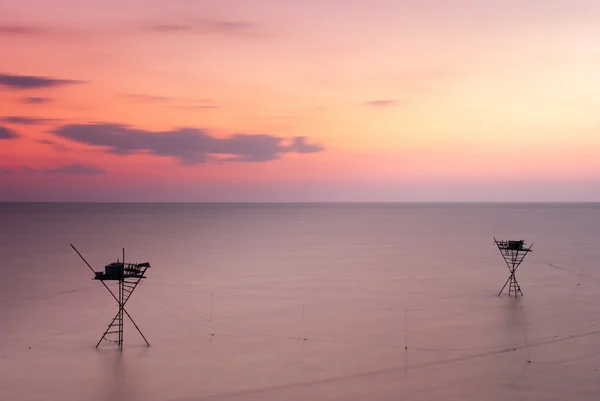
x: 193, y: 100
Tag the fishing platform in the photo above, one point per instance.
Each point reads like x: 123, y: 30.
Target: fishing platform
x: 120, y: 270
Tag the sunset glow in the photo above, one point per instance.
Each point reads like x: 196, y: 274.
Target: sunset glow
x: 192, y: 100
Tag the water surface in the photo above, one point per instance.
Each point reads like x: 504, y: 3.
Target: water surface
x: 301, y: 301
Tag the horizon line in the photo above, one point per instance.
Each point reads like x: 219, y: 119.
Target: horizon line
x: 306, y: 202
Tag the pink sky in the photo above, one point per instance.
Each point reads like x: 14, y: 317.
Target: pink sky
x: 190, y: 100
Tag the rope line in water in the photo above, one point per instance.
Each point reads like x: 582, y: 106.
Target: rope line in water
x: 265, y: 334
x: 73, y: 329
x: 358, y: 375
x: 525, y: 334
x: 299, y: 304
x: 527, y: 363
x: 578, y: 358
x: 250, y: 331
x: 510, y: 345
x: 504, y: 349
x: 256, y: 332
x: 492, y: 350
x: 149, y: 292
x: 41, y: 296
x: 579, y: 274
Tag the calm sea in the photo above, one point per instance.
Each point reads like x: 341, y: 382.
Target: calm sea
x: 301, y: 302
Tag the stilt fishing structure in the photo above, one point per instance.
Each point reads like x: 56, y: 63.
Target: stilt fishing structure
x: 513, y: 253
x: 128, y: 276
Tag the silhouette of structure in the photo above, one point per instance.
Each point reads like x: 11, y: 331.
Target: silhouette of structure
x: 513, y: 253
x: 128, y: 276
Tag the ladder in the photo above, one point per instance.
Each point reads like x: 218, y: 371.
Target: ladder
x: 127, y: 284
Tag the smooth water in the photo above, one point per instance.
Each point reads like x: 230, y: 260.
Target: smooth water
x: 301, y: 302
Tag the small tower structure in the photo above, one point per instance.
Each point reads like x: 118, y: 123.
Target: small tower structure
x: 513, y: 253
x: 128, y: 276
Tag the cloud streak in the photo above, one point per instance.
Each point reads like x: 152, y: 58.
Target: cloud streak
x: 382, y: 103
x: 207, y: 26
x: 36, y: 100
x: 71, y: 169
x: 75, y: 169
x: 168, y: 101
x: 198, y: 107
x: 22, y: 120
x: 20, y: 30
x: 169, y: 27
x: 18, y: 82
x: 55, y: 145
x: 188, y: 145
x: 7, y: 133
x: 145, y: 98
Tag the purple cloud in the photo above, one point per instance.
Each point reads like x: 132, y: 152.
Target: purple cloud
x: 7, y: 133
x: 20, y: 30
x: 55, y: 145
x: 231, y: 26
x: 206, y: 26
x: 77, y: 169
x: 188, y: 145
x: 73, y: 169
x: 36, y: 100
x: 22, y: 120
x: 299, y: 145
x: 24, y: 31
x: 33, y: 82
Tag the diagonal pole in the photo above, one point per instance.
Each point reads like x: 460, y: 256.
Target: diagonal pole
x: 517, y: 286
x: 107, y: 329
x: 136, y: 326
x: 512, y: 275
x: 82, y: 258
x: 127, y: 313
x: 504, y: 286
x: 132, y: 321
x: 103, y: 283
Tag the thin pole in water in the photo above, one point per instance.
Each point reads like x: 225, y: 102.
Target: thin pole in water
x: 303, y: 323
x: 212, y: 294
x: 405, y: 341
